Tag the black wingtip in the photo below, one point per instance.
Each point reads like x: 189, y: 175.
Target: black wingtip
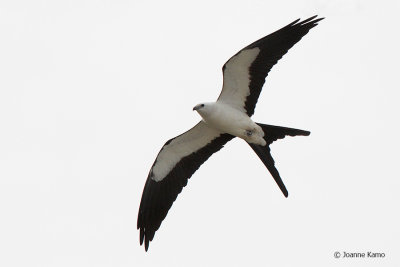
x: 311, y: 19
x: 293, y: 22
x: 141, y: 236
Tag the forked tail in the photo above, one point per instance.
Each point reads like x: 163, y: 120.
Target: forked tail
x: 273, y: 133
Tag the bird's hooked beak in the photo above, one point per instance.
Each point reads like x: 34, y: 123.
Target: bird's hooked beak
x: 199, y: 106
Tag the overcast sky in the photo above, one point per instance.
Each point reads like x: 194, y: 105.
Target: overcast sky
x: 91, y: 90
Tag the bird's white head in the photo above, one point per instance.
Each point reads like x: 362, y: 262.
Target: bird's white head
x: 204, y: 109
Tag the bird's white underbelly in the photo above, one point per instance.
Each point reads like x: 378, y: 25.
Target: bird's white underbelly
x: 230, y: 120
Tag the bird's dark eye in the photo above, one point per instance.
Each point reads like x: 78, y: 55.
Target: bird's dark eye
x: 202, y: 105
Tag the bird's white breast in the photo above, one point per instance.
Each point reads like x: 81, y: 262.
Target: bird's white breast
x: 230, y: 120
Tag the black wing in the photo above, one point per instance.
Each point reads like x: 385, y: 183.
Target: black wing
x: 245, y: 72
x: 179, y: 158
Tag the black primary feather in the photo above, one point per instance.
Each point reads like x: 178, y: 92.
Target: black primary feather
x: 157, y: 197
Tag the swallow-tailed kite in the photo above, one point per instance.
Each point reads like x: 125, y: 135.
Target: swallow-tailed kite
x: 228, y: 117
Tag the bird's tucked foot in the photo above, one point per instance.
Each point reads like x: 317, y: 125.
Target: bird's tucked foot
x: 249, y: 133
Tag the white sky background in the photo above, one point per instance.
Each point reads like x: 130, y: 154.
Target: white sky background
x: 91, y: 90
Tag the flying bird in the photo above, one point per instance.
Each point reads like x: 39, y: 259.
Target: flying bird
x: 229, y: 117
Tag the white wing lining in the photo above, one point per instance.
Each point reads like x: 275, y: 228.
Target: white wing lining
x: 181, y: 146
x: 237, y: 78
